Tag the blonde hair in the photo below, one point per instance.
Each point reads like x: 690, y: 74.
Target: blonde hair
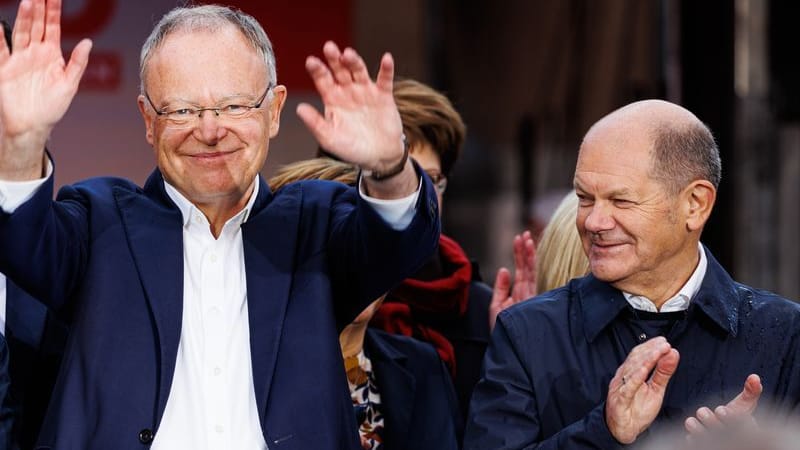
x: 315, y: 169
x: 559, y: 255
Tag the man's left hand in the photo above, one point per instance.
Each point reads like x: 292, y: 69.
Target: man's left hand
x: 736, y: 410
x: 361, y: 124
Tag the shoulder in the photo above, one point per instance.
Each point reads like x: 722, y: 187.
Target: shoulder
x: 763, y: 304
x: 314, y: 189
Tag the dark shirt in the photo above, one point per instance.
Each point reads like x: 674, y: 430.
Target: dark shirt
x: 547, y: 370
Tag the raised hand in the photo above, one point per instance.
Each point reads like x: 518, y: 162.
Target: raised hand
x: 634, y: 396
x: 36, y: 86
x: 504, y: 293
x: 361, y: 124
x: 736, y: 410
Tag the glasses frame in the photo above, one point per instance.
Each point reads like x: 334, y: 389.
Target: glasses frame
x: 198, y: 111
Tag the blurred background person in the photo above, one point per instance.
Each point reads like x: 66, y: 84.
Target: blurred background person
x: 402, y: 393
x: 559, y: 254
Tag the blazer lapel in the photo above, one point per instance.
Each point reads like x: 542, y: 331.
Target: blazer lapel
x: 270, y: 237
x: 153, y: 226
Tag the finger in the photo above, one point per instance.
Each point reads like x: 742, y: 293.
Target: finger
x: 5, y: 53
x: 355, y: 64
x: 385, y: 79
x: 747, y: 400
x: 315, y: 123
x: 333, y: 57
x: 321, y: 76
x: 21, y: 36
x: 665, y: 368
x: 78, y: 61
x: 639, y: 363
x: 52, y: 32
x: 37, y: 26
x: 502, y: 285
x: 708, y: 418
x: 693, y: 426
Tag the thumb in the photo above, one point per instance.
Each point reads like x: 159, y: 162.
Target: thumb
x: 502, y: 287
x: 747, y: 400
x: 665, y: 368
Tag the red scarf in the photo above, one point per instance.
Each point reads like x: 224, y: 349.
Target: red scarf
x: 408, y: 307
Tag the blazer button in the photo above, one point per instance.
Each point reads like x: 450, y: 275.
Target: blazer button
x: 146, y: 436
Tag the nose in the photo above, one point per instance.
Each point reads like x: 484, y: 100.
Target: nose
x: 208, y: 129
x: 597, y: 218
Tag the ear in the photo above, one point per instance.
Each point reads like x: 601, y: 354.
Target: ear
x: 149, y: 119
x: 700, y: 196
x: 275, y: 108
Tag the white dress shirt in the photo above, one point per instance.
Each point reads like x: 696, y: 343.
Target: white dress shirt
x: 211, y: 404
x: 680, y: 301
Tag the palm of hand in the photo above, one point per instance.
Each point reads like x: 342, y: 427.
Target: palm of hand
x: 360, y: 118
x: 35, y: 90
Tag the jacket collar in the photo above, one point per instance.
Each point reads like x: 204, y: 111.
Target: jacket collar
x: 600, y: 303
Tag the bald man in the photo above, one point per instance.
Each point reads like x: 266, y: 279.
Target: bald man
x: 658, y: 329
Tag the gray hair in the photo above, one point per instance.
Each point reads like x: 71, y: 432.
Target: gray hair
x: 208, y: 18
x: 683, y: 153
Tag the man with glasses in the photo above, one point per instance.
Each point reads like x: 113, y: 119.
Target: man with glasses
x: 205, y: 309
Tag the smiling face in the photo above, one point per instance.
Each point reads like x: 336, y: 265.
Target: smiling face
x: 638, y: 235
x: 215, y: 162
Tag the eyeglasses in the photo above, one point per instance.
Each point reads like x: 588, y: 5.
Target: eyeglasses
x: 439, y: 181
x: 186, y: 116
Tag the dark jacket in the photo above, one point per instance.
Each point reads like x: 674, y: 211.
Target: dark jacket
x: 36, y: 340
x: 417, y: 398
x: 109, y: 255
x: 548, y: 367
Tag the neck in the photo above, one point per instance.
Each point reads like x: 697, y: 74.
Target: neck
x: 671, y: 276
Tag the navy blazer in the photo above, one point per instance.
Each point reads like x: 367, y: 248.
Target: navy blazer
x: 36, y: 340
x: 546, y: 373
x: 109, y: 256
x: 418, y: 401
x: 6, y: 412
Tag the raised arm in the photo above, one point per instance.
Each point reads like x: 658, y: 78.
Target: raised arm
x: 360, y: 124
x: 36, y: 87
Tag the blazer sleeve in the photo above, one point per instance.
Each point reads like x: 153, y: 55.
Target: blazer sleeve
x: 503, y: 413
x: 45, y: 243
x: 368, y: 256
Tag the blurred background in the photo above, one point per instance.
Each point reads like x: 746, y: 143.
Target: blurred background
x: 529, y: 77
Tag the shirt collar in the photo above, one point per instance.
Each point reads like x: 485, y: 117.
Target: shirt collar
x: 189, y: 210
x: 716, y: 296
x: 680, y: 301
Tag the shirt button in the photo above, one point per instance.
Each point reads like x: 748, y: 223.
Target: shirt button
x: 642, y: 337
x: 146, y: 436
x: 219, y: 429
x: 214, y: 310
x: 213, y: 258
x: 217, y: 371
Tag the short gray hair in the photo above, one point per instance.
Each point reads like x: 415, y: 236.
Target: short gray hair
x: 209, y: 18
x: 683, y: 153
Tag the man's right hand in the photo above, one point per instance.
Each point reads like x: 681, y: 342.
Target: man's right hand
x: 634, y: 395
x: 36, y: 87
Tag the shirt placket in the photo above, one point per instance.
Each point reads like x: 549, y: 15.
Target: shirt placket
x: 214, y: 315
